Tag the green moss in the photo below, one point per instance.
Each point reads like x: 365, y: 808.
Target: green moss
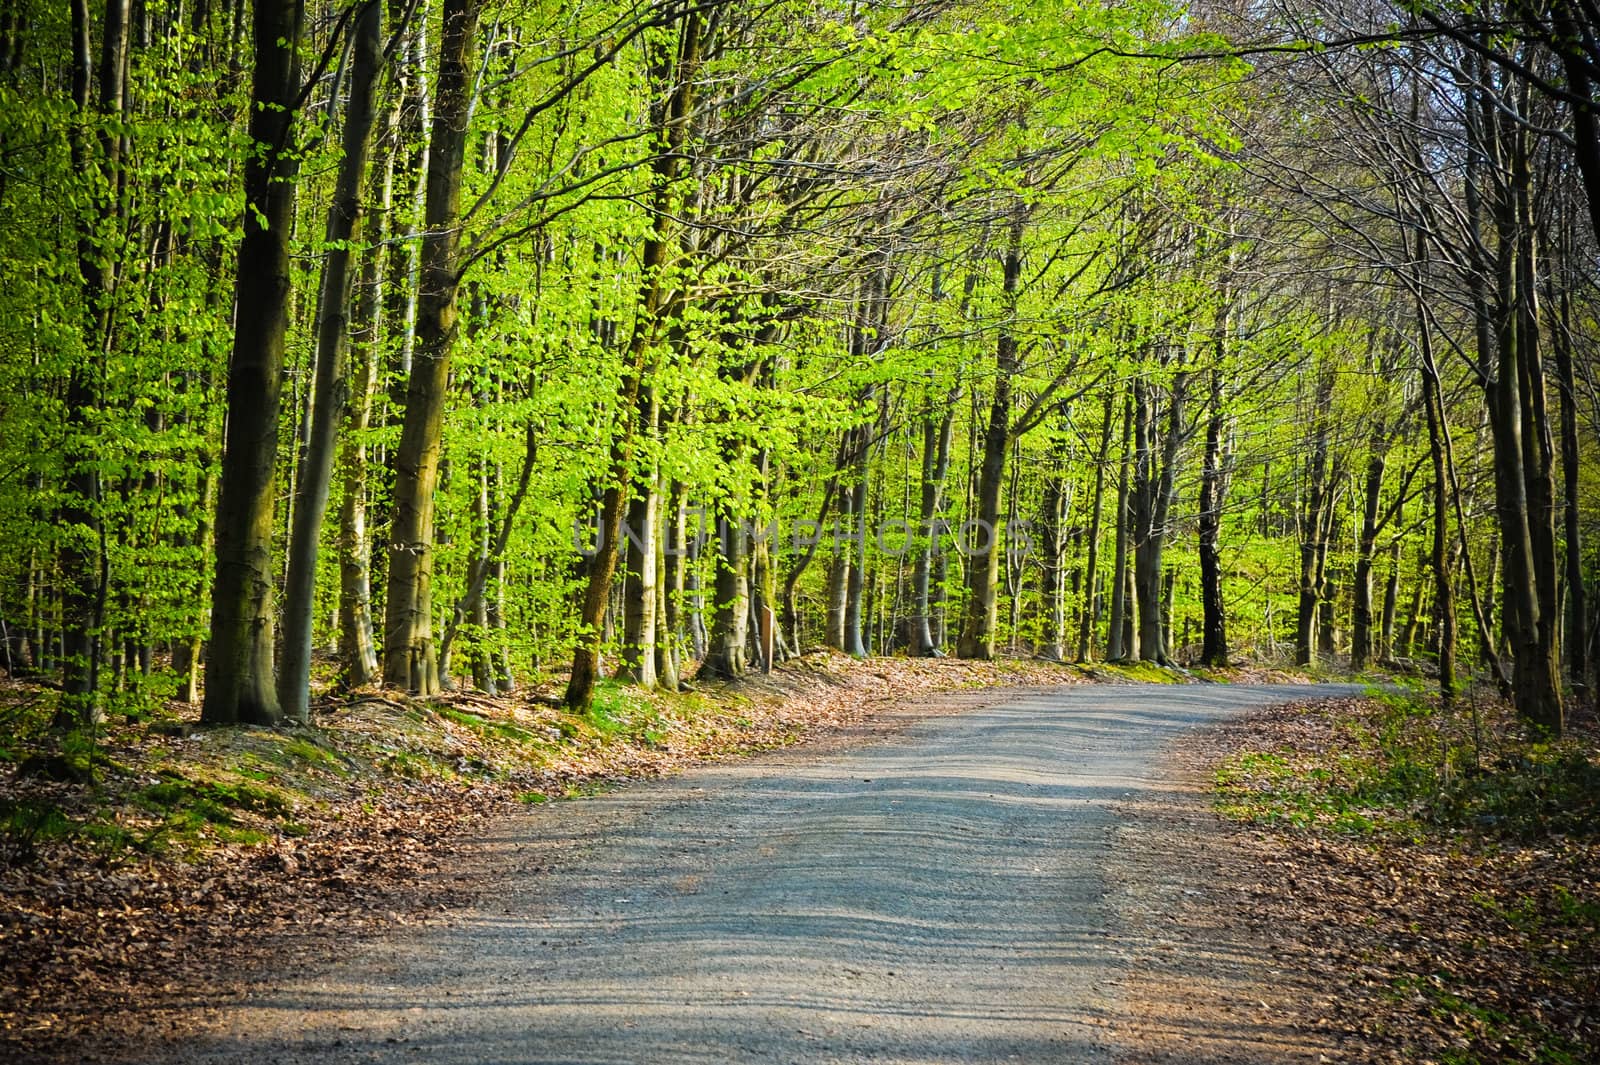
x: 305, y: 750
x: 25, y: 824
x: 484, y: 726
x: 1140, y: 672
x: 416, y: 766
x: 192, y: 809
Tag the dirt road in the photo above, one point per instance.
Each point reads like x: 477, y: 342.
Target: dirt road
x: 937, y: 895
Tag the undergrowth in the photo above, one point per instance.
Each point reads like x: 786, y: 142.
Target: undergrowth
x: 1486, y: 836
x: 1402, y: 766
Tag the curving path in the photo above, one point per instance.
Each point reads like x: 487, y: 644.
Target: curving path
x: 936, y: 896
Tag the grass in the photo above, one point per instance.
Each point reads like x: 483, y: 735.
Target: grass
x: 505, y: 730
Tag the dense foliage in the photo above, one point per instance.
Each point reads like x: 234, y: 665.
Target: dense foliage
x: 652, y: 338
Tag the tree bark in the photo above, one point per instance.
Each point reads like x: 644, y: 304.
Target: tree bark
x: 1312, y: 522
x: 1213, y: 489
x: 409, y: 657
x: 331, y: 386
x: 239, y: 680
x: 82, y: 555
x: 1054, y: 508
x: 1576, y: 641
x: 358, y: 653
x: 639, y: 591
x: 1155, y: 467
x: 1091, y: 583
x: 1444, y: 603
x: 983, y: 571
x: 1121, y: 642
x: 935, y: 467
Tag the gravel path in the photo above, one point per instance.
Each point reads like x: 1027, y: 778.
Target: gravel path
x: 936, y: 896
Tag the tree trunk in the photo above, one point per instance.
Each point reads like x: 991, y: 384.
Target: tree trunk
x: 1121, y: 643
x: 857, y: 546
x: 82, y: 555
x: 1361, y: 611
x: 358, y: 652
x: 239, y: 681
x: 1055, y: 508
x: 331, y: 386
x: 409, y: 658
x: 1519, y: 481
x: 983, y: 570
x: 1576, y: 641
x: 669, y: 590
x: 1311, y: 525
x: 1153, y: 485
x: 935, y: 466
x: 730, y: 629
x: 1444, y: 603
x: 639, y: 591
x: 1391, y: 596
x: 1213, y: 487
x: 1086, y: 618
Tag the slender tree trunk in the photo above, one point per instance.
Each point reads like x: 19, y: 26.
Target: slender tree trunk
x: 1053, y: 575
x: 730, y: 629
x: 1087, y: 617
x: 669, y: 588
x: 409, y: 657
x: 330, y: 390
x: 1154, y: 478
x: 1121, y: 644
x: 1326, y: 591
x: 1371, y: 502
x: 846, y: 520
x: 1444, y: 603
x: 983, y: 571
x: 856, y: 577
x: 1576, y: 642
x: 935, y: 466
x: 1214, y: 624
x: 358, y: 652
x: 1518, y: 479
x: 1312, y: 522
x: 639, y: 591
x: 82, y: 556
x: 239, y: 680
x: 1391, y: 596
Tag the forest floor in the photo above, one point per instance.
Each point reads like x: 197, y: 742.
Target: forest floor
x: 927, y: 886
x: 1369, y: 880
x: 154, y: 863
x: 162, y: 868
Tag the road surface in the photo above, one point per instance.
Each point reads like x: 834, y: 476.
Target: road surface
x: 934, y: 896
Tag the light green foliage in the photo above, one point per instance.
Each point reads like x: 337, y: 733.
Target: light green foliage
x: 832, y: 280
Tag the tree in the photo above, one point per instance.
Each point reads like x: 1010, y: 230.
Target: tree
x: 239, y: 678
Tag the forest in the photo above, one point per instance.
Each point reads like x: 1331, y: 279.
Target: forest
x: 473, y: 344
